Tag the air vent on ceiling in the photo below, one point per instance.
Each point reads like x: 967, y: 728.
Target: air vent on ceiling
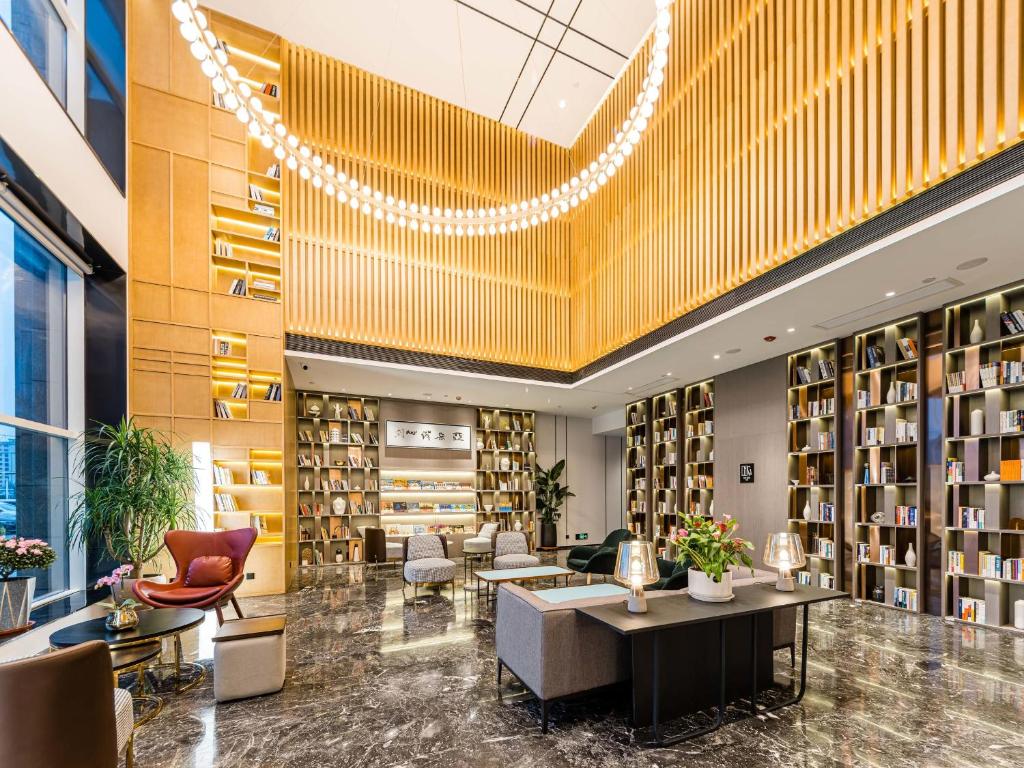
x: 656, y: 387
x: 892, y: 305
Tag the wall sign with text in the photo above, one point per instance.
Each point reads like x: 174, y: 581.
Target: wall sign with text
x: 746, y: 473
x: 412, y: 434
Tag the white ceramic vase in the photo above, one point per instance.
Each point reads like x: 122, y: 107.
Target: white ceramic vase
x: 807, y: 510
x: 1018, y: 614
x: 338, y: 505
x: 890, y: 396
x: 977, y: 422
x: 910, y: 559
x: 519, y: 525
x: 977, y: 335
x: 703, y: 587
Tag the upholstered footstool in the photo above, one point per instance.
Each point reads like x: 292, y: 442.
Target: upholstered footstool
x: 249, y: 657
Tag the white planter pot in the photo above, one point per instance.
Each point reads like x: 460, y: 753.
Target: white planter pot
x: 16, y: 602
x: 703, y: 587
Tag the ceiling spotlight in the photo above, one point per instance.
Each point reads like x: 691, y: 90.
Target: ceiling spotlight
x: 790, y: 330
x: 890, y: 294
x: 718, y: 357
x: 561, y: 103
x: 669, y: 373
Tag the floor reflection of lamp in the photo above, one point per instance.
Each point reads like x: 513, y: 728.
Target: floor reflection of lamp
x: 635, y: 566
x: 784, y: 551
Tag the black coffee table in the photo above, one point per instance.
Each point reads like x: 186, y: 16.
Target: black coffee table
x: 154, y: 625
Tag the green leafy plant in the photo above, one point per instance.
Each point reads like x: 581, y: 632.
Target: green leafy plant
x: 551, y: 494
x: 138, y: 487
x: 710, y: 546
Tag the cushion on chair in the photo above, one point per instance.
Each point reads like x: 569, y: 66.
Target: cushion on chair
x: 511, y: 543
x: 123, y: 717
x: 425, y: 546
x: 477, y: 545
x: 429, y: 569
x: 575, y: 564
x: 515, y: 561
x: 209, y: 571
x: 181, y: 595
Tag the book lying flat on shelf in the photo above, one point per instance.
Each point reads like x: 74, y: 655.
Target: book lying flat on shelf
x: 263, y: 209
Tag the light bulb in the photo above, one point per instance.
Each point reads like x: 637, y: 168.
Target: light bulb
x: 292, y: 163
x: 414, y: 225
x: 378, y: 214
x: 447, y: 229
x: 365, y: 209
x: 378, y: 195
x: 280, y: 130
x: 329, y: 189
x: 627, y: 150
x: 584, y: 194
x: 502, y: 228
x: 342, y: 197
x: 199, y: 50
x: 218, y: 84
x: 200, y: 18
x: 458, y: 230
x: 293, y: 140
x: 181, y: 10
x: 245, y: 90
x: 390, y: 218
x: 209, y: 68
x: 304, y: 171
x: 231, y: 70
x: 242, y: 114
x: 222, y: 59
x: 592, y: 186
x: 329, y: 169
x: 647, y: 109
x: 231, y: 101
x: 401, y: 222
x: 437, y: 229
x: 662, y: 20
x: 353, y: 203
x: 267, y: 140
x: 470, y: 230
x: 317, y: 161
x: 512, y: 227
x: 544, y: 216
x: 304, y: 151
x: 318, y: 182
x: 189, y: 31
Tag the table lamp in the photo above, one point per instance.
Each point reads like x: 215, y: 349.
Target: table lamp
x: 784, y: 551
x: 635, y: 566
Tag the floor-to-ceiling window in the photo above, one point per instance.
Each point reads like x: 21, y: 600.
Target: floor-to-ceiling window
x: 36, y: 312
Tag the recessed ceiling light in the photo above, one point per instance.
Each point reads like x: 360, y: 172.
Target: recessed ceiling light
x: 669, y: 373
x: 389, y: 394
x: 790, y: 330
x: 561, y: 103
x: 629, y: 389
x: 718, y: 357
x: 890, y: 294
x: 971, y: 264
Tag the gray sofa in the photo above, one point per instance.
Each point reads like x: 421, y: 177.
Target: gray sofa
x: 556, y: 653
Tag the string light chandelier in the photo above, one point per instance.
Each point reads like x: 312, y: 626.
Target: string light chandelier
x: 423, y: 217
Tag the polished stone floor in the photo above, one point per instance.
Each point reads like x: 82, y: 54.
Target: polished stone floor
x: 375, y: 681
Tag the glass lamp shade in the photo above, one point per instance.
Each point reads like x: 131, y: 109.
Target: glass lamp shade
x: 635, y: 563
x: 784, y: 551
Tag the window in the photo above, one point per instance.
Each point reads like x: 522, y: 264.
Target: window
x: 105, y: 84
x: 39, y: 30
x: 34, y: 412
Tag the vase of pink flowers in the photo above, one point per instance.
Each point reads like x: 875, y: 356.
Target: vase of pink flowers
x: 123, y: 616
x: 18, y: 554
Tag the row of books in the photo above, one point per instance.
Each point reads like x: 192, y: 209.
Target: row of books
x: 668, y: 411
x: 826, y: 370
x: 310, y: 461
x: 670, y: 486
x: 415, y: 507
x: 222, y: 475
x: 273, y: 393
x: 955, y: 470
x: 906, y: 514
x: 905, y: 597
x: 256, y: 193
x: 873, y: 436
x: 970, y: 609
x: 825, y: 580
x: 956, y: 562
x: 825, y: 548
x: 700, y: 456
x: 223, y: 248
x: 1013, y: 321
x: 700, y: 481
x: 415, y: 484
x: 225, y: 502
x: 668, y: 434
x: 906, y: 431
x: 273, y: 234
x: 311, y: 510
x: 826, y: 441
x: 637, y: 417
x: 640, y: 484
x: 636, y: 441
x: 826, y: 511
x: 701, y: 428
x: 274, y: 171
x: 639, y: 461
x: 905, y: 391
x: 238, y: 287
x: 990, y: 564
x: 1011, y: 421
x: 669, y: 459
x: 1013, y: 568
x: 707, y: 400
x: 335, y: 437
x: 240, y: 391
x: 883, y: 474
x: 825, y: 406
x: 887, y: 554
x: 259, y: 477
x: 971, y: 517
x: 222, y: 410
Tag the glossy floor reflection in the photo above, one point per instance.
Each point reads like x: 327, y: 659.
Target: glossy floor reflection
x: 375, y: 681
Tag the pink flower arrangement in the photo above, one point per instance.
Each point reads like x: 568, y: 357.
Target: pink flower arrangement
x: 20, y: 554
x: 115, y: 576
x: 710, y: 546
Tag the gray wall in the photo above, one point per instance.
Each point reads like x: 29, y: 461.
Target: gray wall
x: 750, y: 416
x: 593, y: 470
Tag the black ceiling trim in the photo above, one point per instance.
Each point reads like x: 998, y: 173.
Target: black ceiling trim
x: 983, y: 176
x: 565, y: 29
x: 577, y: 31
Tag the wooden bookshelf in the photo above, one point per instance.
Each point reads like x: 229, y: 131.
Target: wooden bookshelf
x: 888, y: 464
x: 338, y: 475
x: 506, y: 459
x: 699, y: 449
x: 241, y: 389
x: 666, y: 463
x: 442, y: 501
x: 984, y: 518
x: 638, y: 462
x: 813, y: 400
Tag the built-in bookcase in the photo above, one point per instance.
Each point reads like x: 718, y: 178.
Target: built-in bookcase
x: 638, y: 461
x: 813, y: 398
x: 666, y: 462
x: 506, y: 454
x: 699, y: 449
x: 983, y: 541
x: 241, y: 389
x: 338, y: 475
x: 888, y: 465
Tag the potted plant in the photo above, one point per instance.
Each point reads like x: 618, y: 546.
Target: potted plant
x: 123, y: 615
x: 711, y: 547
x: 551, y: 495
x: 138, y: 487
x: 19, y: 554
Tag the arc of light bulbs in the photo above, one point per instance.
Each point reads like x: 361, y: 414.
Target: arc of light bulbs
x: 510, y: 217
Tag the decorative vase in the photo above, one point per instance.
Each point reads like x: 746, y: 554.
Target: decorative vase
x: 977, y: 335
x: 711, y: 508
x: 123, y: 591
x: 314, y: 410
x: 890, y: 396
x: 505, y: 463
x: 356, y: 553
x: 339, y: 557
x: 703, y: 587
x: 305, y: 483
x: 122, y: 618
x: 878, y: 594
x: 338, y: 505
x: 1018, y: 614
x: 977, y: 422
x: 877, y: 517
x: 519, y: 525
x: 807, y: 510
x: 910, y: 559
x: 548, y: 535
x: 16, y: 596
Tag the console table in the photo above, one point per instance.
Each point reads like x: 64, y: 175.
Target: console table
x: 667, y: 617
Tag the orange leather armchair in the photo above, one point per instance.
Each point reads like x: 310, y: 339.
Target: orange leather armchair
x: 211, y: 566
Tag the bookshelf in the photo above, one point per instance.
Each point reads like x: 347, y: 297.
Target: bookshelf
x: 638, y: 460
x: 983, y: 409
x: 506, y: 458
x: 429, y: 501
x: 337, y: 477
x: 699, y: 451
x: 888, y: 465
x: 248, y: 492
x: 666, y: 463
x: 240, y: 389
x: 813, y: 461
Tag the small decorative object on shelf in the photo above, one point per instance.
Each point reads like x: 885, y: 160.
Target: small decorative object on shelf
x: 807, y: 510
x: 910, y: 559
x: 314, y: 410
x: 635, y: 567
x: 890, y: 396
x: 878, y: 594
x: 977, y: 421
x: 710, y: 548
x: 1018, y: 614
x: 977, y: 334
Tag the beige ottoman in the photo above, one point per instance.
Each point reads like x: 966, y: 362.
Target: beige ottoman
x: 249, y: 658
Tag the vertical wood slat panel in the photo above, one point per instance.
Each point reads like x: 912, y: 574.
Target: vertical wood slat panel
x: 780, y: 124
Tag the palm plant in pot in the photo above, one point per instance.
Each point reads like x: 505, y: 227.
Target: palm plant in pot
x: 551, y: 495
x: 17, y: 555
x: 711, y: 547
x: 138, y: 487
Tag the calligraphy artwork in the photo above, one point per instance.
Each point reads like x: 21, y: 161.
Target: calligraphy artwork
x: 411, y: 434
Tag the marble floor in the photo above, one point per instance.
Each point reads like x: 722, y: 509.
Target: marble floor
x: 375, y: 681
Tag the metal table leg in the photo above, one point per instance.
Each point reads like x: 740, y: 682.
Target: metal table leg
x: 803, y: 672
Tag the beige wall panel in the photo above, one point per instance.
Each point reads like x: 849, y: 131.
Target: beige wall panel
x: 265, y: 353
x: 246, y: 434
x: 156, y: 366
x: 224, y: 125
x: 266, y: 564
x: 265, y: 411
x: 244, y: 316
x: 190, y: 307
x: 161, y: 424
x: 150, y: 215
x: 190, y: 228
x: 150, y: 393
x: 149, y: 57
x: 151, y: 302
x: 190, y: 359
x: 228, y: 181
x: 191, y: 395
x: 168, y: 122
x: 178, y: 338
x: 187, y: 431
x: 227, y: 153
x: 187, y: 79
